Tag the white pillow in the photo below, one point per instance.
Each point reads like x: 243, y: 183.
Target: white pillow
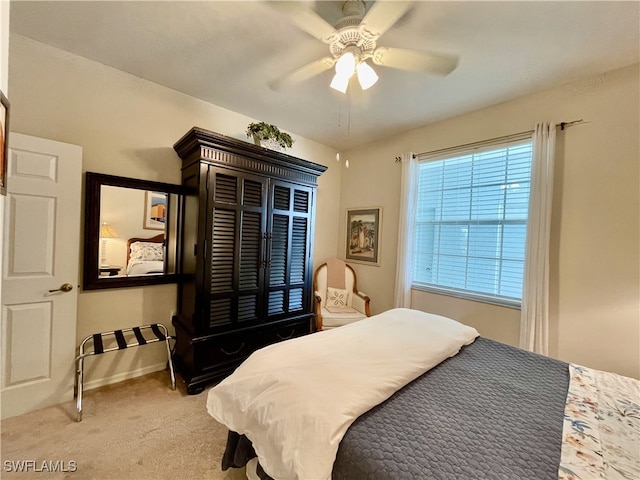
x: 337, y: 297
x: 147, y: 251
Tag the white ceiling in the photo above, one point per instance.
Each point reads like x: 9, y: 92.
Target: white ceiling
x: 226, y: 52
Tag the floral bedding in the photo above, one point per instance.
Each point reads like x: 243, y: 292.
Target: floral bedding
x: 601, y: 431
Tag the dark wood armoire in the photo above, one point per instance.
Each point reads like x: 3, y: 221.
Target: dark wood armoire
x: 246, y: 249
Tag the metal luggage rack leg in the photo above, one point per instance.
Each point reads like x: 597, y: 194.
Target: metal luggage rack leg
x: 160, y: 332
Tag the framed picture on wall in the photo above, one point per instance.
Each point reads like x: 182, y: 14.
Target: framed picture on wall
x: 363, y: 235
x: 4, y: 142
x: 155, y: 210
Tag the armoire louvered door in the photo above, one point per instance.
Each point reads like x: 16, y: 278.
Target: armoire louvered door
x: 237, y: 253
x: 246, y: 248
x: 288, y: 249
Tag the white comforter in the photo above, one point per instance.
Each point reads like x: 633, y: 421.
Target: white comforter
x: 144, y: 267
x: 296, y: 399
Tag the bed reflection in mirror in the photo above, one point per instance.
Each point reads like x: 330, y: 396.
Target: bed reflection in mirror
x: 130, y: 230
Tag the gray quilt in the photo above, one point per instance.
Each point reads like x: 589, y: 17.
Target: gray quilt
x: 491, y: 412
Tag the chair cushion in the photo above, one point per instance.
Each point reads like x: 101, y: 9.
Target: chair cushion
x: 333, y: 309
x: 331, y: 320
x: 337, y: 297
x: 321, y: 283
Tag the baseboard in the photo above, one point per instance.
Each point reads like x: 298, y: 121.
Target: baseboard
x: 121, y: 377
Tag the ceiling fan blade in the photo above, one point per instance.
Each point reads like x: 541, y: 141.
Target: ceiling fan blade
x: 382, y: 16
x: 303, y: 73
x: 307, y: 20
x: 405, y: 59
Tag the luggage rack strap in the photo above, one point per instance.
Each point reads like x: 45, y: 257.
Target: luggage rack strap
x: 160, y: 334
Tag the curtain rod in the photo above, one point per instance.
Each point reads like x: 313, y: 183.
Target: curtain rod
x: 506, y: 138
x: 564, y: 125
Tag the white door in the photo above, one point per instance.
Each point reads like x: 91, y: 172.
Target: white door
x: 40, y: 255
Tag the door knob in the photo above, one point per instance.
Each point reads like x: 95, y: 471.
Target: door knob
x: 65, y: 287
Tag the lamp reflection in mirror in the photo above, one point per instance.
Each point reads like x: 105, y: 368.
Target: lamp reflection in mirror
x: 106, y: 231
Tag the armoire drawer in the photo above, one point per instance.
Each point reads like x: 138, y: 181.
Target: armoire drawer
x: 279, y: 333
x: 225, y: 349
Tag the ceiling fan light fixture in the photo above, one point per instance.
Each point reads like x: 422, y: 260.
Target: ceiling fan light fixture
x: 340, y: 82
x: 346, y: 64
x: 366, y: 75
x: 353, y: 39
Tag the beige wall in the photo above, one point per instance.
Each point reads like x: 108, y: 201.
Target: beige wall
x: 595, y: 261
x: 4, y: 47
x: 127, y: 126
x: 4, y: 83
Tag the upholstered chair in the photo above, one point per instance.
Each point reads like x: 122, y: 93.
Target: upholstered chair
x: 338, y: 301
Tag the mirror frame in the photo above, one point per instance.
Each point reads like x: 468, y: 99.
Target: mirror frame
x: 93, y: 188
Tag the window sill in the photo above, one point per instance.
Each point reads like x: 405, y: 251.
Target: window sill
x: 514, y: 304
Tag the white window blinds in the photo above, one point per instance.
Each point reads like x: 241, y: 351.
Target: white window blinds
x: 471, y: 221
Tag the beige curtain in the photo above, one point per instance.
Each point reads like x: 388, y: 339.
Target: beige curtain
x: 534, y: 323
x: 406, y: 230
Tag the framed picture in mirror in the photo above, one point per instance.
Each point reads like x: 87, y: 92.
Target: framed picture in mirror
x: 155, y: 210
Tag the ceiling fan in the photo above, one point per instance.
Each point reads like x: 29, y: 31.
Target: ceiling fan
x: 353, y: 41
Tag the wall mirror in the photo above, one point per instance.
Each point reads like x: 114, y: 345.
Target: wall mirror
x: 130, y: 231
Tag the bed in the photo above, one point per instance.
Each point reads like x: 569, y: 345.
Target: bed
x: 485, y: 411
x: 145, y: 256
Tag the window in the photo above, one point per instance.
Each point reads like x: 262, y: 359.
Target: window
x: 471, y: 222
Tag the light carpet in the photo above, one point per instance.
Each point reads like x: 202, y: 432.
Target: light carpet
x: 137, y: 429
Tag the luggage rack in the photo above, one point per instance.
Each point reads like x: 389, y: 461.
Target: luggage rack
x: 160, y: 334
